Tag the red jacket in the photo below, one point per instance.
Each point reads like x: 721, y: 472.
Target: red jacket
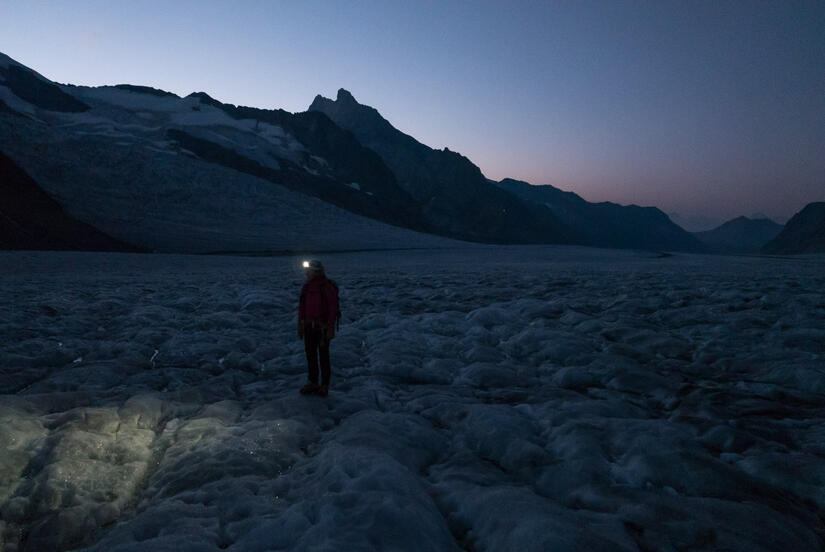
x: 319, y: 302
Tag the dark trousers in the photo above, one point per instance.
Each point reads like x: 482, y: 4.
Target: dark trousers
x: 316, y: 344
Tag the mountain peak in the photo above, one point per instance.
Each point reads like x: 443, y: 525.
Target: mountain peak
x: 205, y: 99
x: 344, y: 96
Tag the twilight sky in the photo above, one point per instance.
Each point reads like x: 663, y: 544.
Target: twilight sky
x: 707, y: 108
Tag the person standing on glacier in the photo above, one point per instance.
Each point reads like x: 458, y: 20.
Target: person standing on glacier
x: 317, y: 314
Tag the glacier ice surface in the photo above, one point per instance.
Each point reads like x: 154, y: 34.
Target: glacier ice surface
x: 493, y: 398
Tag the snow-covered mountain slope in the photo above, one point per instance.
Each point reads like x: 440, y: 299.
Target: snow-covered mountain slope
x: 507, y: 398
x: 121, y: 159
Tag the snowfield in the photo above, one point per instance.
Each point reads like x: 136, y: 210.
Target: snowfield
x: 492, y: 398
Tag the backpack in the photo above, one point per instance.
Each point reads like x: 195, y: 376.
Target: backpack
x: 337, y: 302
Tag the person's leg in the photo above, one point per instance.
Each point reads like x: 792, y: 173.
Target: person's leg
x: 311, y: 338
x: 323, y: 348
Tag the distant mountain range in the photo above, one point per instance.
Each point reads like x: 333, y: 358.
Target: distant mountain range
x: 148, y: 170
x: 456, y: 195
x: 607, y: 224
x: 804, y: 232
x: 740, y: 235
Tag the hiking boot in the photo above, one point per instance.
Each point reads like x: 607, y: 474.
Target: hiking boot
x: 323, y: 391
x: 309, y: 388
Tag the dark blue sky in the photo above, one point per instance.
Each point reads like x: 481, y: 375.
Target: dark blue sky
x: 704, y: 108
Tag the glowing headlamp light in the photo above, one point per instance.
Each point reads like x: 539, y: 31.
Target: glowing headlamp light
x: 306, y: 264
